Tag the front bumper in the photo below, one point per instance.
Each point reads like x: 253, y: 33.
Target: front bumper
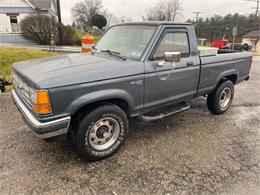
x: 44, y: 130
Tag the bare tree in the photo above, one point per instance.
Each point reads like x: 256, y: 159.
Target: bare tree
x: 84, y: 11
x: 109, y: 16
x: 113, y: 20
x: 39, y: 28
x: 164, y: 10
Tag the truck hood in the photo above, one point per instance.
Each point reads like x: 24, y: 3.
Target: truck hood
x: 74, y: 69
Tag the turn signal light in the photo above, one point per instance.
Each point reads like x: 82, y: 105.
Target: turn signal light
x: 41, y: 102
x: 42, y: 109
x: 42, y: 97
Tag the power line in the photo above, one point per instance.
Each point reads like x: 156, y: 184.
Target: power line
x: 197, y: 19
x: 198, y: 13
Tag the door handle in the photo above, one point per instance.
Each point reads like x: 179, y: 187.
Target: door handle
x: 190, y: 64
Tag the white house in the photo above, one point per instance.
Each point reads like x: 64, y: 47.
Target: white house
x: 13, y: 11
x: 253, y: 40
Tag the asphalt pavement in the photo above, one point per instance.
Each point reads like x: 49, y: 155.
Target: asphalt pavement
x: 194, y: 152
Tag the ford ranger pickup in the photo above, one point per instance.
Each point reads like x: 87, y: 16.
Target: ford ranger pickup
x: 146, y: 69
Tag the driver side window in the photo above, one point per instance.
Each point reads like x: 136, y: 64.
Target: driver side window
x: 174, y: 42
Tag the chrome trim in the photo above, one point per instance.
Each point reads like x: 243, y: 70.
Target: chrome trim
x: 37, y: 124
x: 22, y: 89
x: 53, y: 134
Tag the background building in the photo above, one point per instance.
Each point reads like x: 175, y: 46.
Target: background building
x: 12, y: 12
x: 252, y: 39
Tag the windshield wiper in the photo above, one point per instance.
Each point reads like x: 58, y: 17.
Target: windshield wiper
x: 93, y: 47
x: 114, y: 53
x: 94, y: 50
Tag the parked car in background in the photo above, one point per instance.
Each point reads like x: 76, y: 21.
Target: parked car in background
x: 237, y: 46
x: 220, y: 43
x: 146, y: 69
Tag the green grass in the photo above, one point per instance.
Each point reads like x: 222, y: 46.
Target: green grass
x: 79, y: 34
x: 97, y: 37
x: 8, y: 56
x: 203, y: 46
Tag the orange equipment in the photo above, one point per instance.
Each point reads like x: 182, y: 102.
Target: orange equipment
x: 87, y: 42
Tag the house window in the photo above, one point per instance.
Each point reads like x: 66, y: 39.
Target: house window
x: 14, y: 24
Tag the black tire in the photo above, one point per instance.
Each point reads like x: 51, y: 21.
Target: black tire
x: 85, y: 124
x: 214, y: 99
x: 246, y: 47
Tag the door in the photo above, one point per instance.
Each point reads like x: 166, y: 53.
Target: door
x: 171, y: 82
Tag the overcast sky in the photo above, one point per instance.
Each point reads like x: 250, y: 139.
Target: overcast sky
x: 135, y: 9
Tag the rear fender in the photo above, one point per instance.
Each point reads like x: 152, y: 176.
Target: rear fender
x: 224, y: 75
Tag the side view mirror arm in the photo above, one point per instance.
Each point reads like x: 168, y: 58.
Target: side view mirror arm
x: 167, y: 57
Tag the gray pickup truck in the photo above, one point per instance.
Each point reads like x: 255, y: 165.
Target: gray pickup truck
x: 146, y: 69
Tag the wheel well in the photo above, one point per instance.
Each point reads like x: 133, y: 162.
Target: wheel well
x: 232, y: 78
x: 118, y: 102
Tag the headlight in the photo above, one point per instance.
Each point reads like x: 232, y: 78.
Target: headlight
x: 40, y: 101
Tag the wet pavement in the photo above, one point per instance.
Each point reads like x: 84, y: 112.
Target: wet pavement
x: 194, y: 152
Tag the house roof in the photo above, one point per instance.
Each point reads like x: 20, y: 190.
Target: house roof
x: 252, y: 34
x: 41, y: 4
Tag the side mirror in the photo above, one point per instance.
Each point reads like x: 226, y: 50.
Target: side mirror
x: 172, y: 56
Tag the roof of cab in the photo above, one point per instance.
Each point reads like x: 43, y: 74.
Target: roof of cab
x: 155, y: 23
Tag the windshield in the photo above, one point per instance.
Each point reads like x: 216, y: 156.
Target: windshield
x: 130, y: 41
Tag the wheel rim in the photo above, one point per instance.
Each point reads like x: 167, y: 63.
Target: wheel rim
x: 103, y: 134
x: 225, y: 97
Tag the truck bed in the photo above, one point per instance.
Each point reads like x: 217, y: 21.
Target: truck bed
x: 213, y: 68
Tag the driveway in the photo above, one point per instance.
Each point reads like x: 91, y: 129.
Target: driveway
x: 194, y: 152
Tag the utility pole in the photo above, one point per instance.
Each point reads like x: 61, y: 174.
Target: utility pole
x: 60, y: 23
x: 197, y: 19
x: 256, y: 19
x: 256, y: 13
x: 197, y: 15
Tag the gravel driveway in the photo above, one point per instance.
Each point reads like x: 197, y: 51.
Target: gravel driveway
x: 194, y: 152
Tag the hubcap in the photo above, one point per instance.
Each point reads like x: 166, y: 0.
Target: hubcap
x: 225, y: 97
x: 103, y: 134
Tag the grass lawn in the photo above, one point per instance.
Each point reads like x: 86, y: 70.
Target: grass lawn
x: 97, y: 37
x: 8, y: 56
x: 79, y: 34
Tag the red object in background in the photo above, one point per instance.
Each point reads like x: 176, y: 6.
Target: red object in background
x: 219, y: 43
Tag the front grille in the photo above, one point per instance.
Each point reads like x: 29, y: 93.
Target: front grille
x: 21, y: 88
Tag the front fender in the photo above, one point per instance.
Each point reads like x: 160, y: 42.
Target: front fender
x: 101, y: 95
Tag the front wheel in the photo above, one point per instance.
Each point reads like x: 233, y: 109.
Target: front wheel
x: 220, y: 100
x: 101, y: 132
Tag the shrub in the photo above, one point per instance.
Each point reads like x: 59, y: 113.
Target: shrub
x: 39, y: 28
x: 70, y: 36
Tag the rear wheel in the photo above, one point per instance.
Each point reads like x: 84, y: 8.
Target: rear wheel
x: 100, y: 133
x: 220, y: 100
